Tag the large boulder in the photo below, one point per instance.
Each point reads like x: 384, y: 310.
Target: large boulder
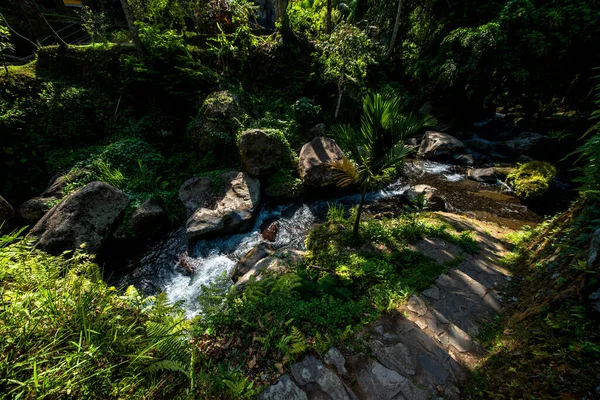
x: 526, y: 142
x: 6, y: 211
x: 196, y: 193
x: 314, y: 162
x: 435, y: 202
x: 263, y: 151
x: 486, y: 175
x: 149, y: 218
x: 215, y: 127
x: 235, y: 212
x: 87, y: 216
x: 283, y: 389
x: 438, y: 145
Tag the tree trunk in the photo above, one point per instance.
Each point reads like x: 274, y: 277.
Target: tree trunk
x: 328, y: 24
x: 339, y: 101
x: 358, y: 213
x: 132, y: 28
x: 281, y: 15
x: 396, y: 28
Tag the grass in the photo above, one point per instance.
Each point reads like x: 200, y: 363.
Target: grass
x: 547, y: 343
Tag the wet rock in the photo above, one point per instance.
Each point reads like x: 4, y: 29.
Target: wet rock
x: 335, y: 358
x: 149, y: 218
x: 263, y: 152
x: 316, y: 131
x: 464, y: 159
x: 269, y: 231
x: 283, y: 389
x: 435, y: 202
x: 6, y: 211
x: 377, y: 382
x: 438, y: 145
x: 316, y: 379
x: 276, y: 263
x: 314, y: 162
x: 486, y: 175
x: 526, y: 142
x: 481, y: 145
x: 249, y: 260
x: 88, y: 216
x: 195, y: 193
x: 234, y: 213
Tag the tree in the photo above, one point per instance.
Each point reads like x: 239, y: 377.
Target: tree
x: 396, y: 28
x: 346, y: 55
x: 328, y: 24
x: 281, y: 15
x: 378, y: 147
x: 132, y: 28
x: 5, y: 44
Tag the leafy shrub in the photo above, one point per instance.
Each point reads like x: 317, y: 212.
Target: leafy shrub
x: 284, y: 184
x: 531, y: 179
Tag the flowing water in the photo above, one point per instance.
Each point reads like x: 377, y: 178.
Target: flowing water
x: 166, y: 266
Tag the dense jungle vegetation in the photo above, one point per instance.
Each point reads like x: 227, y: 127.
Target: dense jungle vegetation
x: 144, y: 95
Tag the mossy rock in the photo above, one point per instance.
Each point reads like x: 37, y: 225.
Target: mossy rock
x: 532, y: 179
x: 264, y: 151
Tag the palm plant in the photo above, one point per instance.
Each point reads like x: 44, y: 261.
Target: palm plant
x: 378, y: 147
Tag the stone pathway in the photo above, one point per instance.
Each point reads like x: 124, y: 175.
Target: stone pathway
x: 423, y: 350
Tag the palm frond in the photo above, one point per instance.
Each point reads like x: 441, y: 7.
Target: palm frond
x: 345, y: 172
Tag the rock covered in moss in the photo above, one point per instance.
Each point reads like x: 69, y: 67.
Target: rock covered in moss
x: 87, y: 216
x: 233, y: 213
x: 215, y: 126
x: 531, y: 179
x: 264, y: 151
x: 439, y: 146
x: 314, y: 162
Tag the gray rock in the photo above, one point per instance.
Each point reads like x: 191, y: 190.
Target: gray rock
x: 34, y: 209
x: 314, y: 162
x: 88, y: 216
x: 377, y: 382
x: 435, y: 202
x: 524, y: 143
x: 464, y: 159
x: 335, y: 358
x: 311, y: 372
x: 416, y: 305
x: 459, y: 339
x: 6, y: 211
x: 234, y: 213
x: 263, y: 152
x: 397, y: 357
x: 149, y: 218
x: 438, y: 145
x: 486, y: 175
x: 195, y: 193
x: 283, y: 389
x: 594, y: 254
x: 433, y: 292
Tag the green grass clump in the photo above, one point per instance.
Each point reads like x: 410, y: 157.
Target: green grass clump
x: 66, y: 333
x: 532, y: 179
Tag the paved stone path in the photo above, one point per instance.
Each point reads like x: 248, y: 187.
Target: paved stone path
x: 423, y: 350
